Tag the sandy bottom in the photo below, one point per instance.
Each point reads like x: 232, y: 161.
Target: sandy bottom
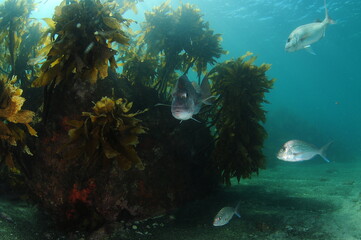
x: 293, y: 201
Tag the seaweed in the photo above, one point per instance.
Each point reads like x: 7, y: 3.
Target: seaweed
x: 17, y: 38
x: 81, y: 48
x: 140, y: 68
x: 12, y: 122
x: 107, y: 134
x: 180, y: 39
x: 237, y: 116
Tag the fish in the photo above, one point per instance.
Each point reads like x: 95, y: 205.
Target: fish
x: 6, y: 217
x: 303, y: 36
x: 225, y: 215
x: 36, y: 60
x: 297, y: 150
x: 187, y: 99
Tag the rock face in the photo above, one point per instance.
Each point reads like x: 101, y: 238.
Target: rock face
x: 79, y: 192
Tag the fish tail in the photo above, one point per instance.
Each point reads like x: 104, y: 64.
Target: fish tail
x: 236, y: 210
x: 323, y: 151
x: 327, y: 17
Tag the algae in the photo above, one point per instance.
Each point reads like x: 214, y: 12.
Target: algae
x: 238, y: 115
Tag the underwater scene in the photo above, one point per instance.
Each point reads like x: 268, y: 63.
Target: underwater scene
x: 180, y: 120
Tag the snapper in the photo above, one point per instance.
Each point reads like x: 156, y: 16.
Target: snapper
x: 187, y: 99
x: 305, y: 35
x: 297, y: 150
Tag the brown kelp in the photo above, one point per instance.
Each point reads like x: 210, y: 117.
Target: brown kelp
x: 13, y: 120
x: 82, y: 35
x: 237, y: 116
x: 81, y: 51
x: 108, y: 134
x: 181, y: 39
x: 19, y: 36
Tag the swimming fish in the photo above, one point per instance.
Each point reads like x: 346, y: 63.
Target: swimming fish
x: 303, y: 36
x: 36, y: 60
x: 4, y: 216
x: 186, y: 100
x: 296, y: 150
x: 225, y: 215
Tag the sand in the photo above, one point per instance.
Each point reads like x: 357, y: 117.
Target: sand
x: 293, y: 201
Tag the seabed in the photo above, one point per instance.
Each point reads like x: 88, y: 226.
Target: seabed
x: 293, y: 201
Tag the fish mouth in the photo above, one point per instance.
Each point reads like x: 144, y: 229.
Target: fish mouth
x: 280, y: 156
x: 181, y: 114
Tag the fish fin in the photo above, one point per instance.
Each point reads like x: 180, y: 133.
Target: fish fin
x: 196, y: 87
x: 323, y: 151
x: 325, y: 158
x: 309, y: 49
x: 207, y: 100
x: 196, y: 120
x: 298, y: 153
x: 205, y: 87
x: 161, y: 104
x: 327, y: 17
x: 236, y: 210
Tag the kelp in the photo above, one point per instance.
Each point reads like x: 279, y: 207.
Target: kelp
x: 108, y: 134
x: 237, y: 116
x: 83, y: 33
x: 12, y: 121
x: 128, y: 4
x: 140, y: 68
x: 181, y: 39
x: 19, y: 35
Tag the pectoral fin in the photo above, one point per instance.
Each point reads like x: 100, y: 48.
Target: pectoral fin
x: 209, y: 100
x: 309, y: 49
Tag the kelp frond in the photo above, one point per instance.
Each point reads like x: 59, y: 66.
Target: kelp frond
x: 109, y: 133
x: 82, y: 42
x: 14, y: 22
x: 237, y: 116
x: 13, y: 120
x: 181, y: 39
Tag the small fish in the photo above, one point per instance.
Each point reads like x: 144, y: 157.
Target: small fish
x: 6, y: 217
x: 296, y: 150
x: 225, y: 215
x: 89, y: 47
x: 303, y: 36
x: 186, y: 100
x: 36, y: 60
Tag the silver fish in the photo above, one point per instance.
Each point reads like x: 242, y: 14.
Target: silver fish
x: 186, y: 100
x: 297, y: 150
x: 6, y: 217
x: 36, y: 60
x: 303, y: 36
x: 225, y: 215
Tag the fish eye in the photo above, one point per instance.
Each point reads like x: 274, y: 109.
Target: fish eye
x: 289, y: 39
